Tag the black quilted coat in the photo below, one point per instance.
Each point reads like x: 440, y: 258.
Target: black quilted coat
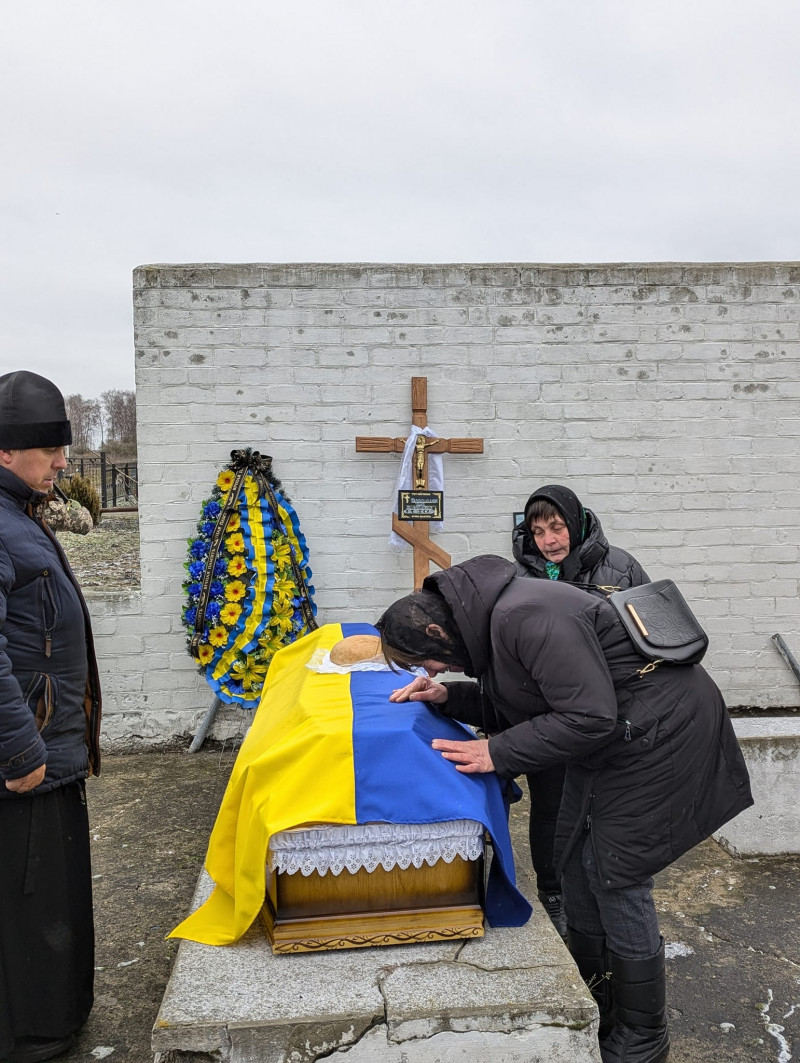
x: 652, y: 761
x: 598, y: 561
x: 49, y: 688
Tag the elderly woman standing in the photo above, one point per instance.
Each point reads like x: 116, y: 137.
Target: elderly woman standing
x: 653, y: 765
x: 558, y: 539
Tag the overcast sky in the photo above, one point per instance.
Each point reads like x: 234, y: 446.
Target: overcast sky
x: 376, y: 130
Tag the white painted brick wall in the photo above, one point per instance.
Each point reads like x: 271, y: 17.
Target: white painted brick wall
x: 666, y: 395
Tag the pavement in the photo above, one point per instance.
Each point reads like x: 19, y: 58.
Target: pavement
x: 730, y: 924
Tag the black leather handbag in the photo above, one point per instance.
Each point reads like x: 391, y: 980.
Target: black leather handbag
x: 660, y: 623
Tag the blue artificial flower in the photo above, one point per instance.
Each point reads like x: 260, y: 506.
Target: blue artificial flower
x: 193, y: 590
x: 207, y: 528
x: 220, y: 567
x: 199, y: 548
x: 190, y: 616
x: 212, y: 612
x: 196, y: 569
x: 217, y: 589
x: 211, y: 509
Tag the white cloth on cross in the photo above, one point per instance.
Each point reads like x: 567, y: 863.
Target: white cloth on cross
x: 405, y: 478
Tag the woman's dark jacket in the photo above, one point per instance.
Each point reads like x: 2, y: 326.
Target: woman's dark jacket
x: 595, y: 561
x: 49, y: 688
x: 652, y: 759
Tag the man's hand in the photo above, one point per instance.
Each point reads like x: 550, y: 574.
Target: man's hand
x: 27, y: 782
x: 423, y: 688
x: 468, y: 757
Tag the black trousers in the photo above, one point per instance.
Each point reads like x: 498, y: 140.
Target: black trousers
x: 545, y: 788
x: 625, y: 917
x: 46, y: 924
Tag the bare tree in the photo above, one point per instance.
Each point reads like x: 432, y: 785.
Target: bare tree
x: 119, y: 409
x: 84, y: 416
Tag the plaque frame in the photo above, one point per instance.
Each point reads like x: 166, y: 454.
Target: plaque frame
x: 420, y: 505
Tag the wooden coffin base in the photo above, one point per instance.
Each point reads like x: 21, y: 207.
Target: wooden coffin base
x: 314, y: 913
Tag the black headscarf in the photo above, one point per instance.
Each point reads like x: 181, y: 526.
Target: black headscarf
x: 569, y: 506
x: 404, y: 635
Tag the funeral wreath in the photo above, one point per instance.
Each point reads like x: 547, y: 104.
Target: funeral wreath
x: 247, y: 586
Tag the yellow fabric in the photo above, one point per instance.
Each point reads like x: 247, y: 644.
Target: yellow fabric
x: 295, y: 767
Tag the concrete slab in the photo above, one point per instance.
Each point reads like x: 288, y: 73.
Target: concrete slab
x: 513, y: 996
x: 771, y: 748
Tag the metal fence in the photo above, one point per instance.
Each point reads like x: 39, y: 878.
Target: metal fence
x: 117, y: 483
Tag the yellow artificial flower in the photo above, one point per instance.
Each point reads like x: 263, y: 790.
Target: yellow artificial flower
x: 230, y: 613
x: 218, y: 636
x: 205, y: 653
x: 270, y: 642
x: 281, y: 551
x: 235, y: 543
x: 283, y: 591
x: 225, y: 480
x: 249, y: 673
x: 235, y: 590
x: 237, y: 566
x: 284, y: 582
x: 234, y: 524
x: 281, y: 622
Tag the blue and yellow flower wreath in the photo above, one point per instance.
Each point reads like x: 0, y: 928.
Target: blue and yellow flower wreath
x: 247, y: 587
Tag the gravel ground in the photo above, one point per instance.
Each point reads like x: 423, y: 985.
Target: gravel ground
x: 108, y: 557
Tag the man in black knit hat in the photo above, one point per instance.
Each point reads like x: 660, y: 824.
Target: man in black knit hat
x: 49, y: 726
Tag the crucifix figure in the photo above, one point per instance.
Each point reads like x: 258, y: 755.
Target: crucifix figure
x: 417, y: 533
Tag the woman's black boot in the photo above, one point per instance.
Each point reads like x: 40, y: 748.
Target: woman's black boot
x: 640, y: 1034
x: 591, y: 956
x: 554, y: 907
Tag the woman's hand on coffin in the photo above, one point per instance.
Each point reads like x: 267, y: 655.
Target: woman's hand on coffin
x: 421, y: 689
x: 468, y: 757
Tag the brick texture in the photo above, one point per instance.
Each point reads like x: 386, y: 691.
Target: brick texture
x: 666, y: 395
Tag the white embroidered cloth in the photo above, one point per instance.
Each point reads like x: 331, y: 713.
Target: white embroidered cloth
x: 334, y: 848
x: 320, y: 661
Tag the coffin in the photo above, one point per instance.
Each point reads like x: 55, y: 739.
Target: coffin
x: 341, y: 827
x: 344, y: 887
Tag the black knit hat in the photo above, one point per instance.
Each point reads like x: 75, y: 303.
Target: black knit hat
x: 32, y: 413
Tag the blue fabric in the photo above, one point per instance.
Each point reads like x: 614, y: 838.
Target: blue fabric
x: 401, y: 779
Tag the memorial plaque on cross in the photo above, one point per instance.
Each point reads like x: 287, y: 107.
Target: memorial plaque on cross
x: 417, y: 533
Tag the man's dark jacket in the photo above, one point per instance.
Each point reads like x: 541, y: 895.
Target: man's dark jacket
x: 49, y: 689
x: 594, y: 562
x: 652, y: 761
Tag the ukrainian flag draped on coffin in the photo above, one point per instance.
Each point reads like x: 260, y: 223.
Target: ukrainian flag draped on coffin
x: 328, y: 748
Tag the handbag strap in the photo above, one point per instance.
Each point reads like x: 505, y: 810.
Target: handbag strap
x: 606, y: 588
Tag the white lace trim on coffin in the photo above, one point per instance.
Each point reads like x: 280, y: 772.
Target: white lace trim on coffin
x: 334, y: 848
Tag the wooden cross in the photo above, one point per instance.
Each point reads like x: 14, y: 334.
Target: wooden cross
x: 417, y: 533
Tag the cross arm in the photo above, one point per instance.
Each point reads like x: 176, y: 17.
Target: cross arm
x: 456, y: 446
x: 387, y: 445
x: 380, y: 444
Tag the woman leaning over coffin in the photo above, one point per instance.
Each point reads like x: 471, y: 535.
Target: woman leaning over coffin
x: 652, y: 762
x: 559, y: 539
